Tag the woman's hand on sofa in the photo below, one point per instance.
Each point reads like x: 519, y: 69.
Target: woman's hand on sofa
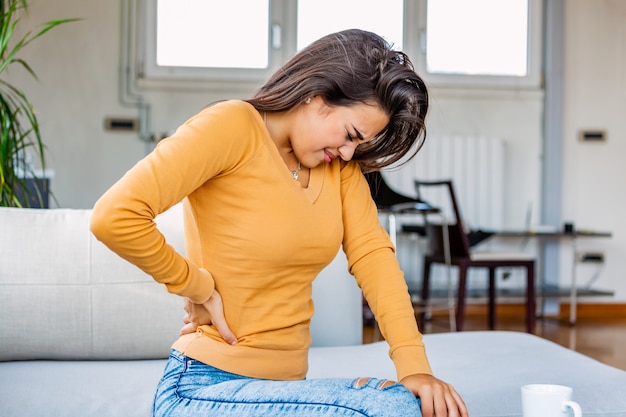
x: 438, y: 398
x: 211, y: 312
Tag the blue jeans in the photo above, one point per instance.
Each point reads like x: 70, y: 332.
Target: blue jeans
x: 192, y: 388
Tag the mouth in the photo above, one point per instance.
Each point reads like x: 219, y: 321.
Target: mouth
x: 329, y: 156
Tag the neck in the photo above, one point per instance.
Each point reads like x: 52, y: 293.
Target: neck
x: 277, y: 125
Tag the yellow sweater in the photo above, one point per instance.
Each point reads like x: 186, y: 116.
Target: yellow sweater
x: 259, y: 238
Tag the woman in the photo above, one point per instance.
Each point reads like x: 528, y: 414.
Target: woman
x: 272, y: 187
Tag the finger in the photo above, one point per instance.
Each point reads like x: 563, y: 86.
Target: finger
x: 215, y: 307
x: 427, y: 403
x: 443, y: 403
x: 222, y: 327
x: 459, y: 402
x: 450, y: 403
x: 187, y: 305
x: 188, y: 328
x: 451, y: 406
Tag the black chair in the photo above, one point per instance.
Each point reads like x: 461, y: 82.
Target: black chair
x: 463, y: 258
x: 392, y: 203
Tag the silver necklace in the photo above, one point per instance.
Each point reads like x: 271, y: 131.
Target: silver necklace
x: 295, y: 172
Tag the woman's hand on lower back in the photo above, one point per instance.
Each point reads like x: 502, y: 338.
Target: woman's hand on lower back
x: 195, y: 315
x: 211, y: 312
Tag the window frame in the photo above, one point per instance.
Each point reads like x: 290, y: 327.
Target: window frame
x: 148, y: 74
x: 282, y: 45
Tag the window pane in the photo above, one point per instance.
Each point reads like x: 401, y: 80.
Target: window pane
x: 479, y: 37
x: 222, y: 34
x: 317, y: 18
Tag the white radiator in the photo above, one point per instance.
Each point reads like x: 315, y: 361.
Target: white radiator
x: 476, y: 167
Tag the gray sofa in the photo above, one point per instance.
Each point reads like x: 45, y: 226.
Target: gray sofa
x: 83, y: 333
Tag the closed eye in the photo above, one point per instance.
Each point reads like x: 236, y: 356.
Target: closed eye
x: 357, y: 135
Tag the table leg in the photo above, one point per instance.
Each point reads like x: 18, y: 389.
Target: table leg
x: 573, y: 290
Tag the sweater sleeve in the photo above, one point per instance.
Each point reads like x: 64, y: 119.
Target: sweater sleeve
x: 372, y: 260
x: 209, y: 144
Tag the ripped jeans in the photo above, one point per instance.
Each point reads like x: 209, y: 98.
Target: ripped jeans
x: 191, y: 388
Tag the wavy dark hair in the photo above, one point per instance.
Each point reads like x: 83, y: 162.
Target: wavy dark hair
x: 356, y: 66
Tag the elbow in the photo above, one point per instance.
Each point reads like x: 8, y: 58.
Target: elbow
x: 100, y: 223
x: 116, y: 223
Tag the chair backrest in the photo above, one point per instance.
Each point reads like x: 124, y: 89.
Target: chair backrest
x: 459, y: 243
x: 382, y: 194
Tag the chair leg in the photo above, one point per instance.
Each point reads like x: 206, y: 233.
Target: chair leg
x: 425, y: 294
x: 530, y: 298
x: 460, y: 304
x: 491, y: 316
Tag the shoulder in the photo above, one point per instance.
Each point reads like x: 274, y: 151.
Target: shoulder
x: 351, y: 179
x: 227, y: 110
x: 230, y: 122
x: 226, y: 132
x: 233, y: 106
x: 350, y: 171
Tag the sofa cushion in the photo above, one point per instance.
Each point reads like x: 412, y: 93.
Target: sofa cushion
x: 487, y: 368
x: 79, y: 388
x: 64, y: 295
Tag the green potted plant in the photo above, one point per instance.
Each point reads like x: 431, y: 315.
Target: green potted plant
x: 20, y: 137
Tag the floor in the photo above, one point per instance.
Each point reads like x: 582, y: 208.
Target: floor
x: 602, y: 338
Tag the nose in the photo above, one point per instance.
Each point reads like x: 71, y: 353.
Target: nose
x: 346, y: 152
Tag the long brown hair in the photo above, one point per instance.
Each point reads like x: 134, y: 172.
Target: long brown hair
x: 356, y: 66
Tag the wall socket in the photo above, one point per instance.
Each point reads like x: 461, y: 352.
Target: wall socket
x: 592, y: 136
x: 591, y: 257
x: 121, y: 124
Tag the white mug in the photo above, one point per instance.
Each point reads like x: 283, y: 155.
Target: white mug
x: 546, y: 400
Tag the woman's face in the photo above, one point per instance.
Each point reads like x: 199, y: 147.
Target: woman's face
x: 322, y: 133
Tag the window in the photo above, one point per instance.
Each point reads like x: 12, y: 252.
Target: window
x: 452, y: 42
x: 487, y: 42
x: 483, y: 30
x: 183, y: 38
x: 199, y: 39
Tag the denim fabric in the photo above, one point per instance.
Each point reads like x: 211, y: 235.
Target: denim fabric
x: 191, y: 388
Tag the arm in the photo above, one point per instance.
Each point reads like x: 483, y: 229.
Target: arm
x: 123, y: 218
x: 373, y: 262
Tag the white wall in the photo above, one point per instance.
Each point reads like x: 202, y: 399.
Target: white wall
x: 79, y: 65
x: 594, y: 191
